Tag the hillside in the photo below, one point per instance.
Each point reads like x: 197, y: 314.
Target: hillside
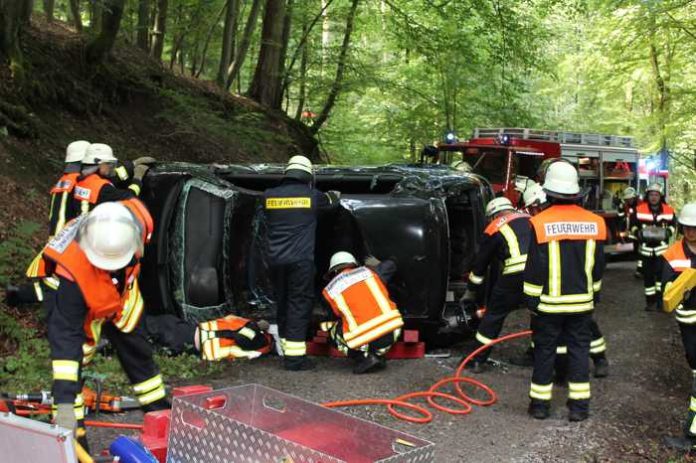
x: 131, y: 103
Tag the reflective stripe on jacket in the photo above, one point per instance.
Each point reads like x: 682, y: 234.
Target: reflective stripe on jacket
x: 232, y: 337
x: 87, y: 191
x: 644, y: 217
x: 505, y: 239
x: 679, y: 258
x: 358, y: 296
x: 62, y: 209
x: 565, y: 260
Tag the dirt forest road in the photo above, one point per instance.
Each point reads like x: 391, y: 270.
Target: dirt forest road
x: 644, y: 398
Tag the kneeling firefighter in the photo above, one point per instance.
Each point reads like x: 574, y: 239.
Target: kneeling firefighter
x: 504, y: 245
x: 369, y: 322
x: 229, y: 337
x: 680, y: 257
x: 96, y: 260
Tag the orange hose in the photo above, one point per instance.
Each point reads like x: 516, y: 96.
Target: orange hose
x: 461, y: 398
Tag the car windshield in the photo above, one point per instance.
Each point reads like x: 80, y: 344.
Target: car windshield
x: 489, y: 163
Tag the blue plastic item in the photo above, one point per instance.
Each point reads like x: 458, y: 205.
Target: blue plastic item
x: 131, y: 451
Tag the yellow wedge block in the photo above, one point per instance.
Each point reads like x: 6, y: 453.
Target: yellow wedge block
x: 676, y: 291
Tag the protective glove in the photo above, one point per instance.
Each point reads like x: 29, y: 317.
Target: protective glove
x: 144, y: 160
x: 372, y: 261
x: 334, y: 196
x: 65, y: 417
x: 140, y: 171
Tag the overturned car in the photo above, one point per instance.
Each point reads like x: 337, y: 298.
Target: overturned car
x: 207, y: 258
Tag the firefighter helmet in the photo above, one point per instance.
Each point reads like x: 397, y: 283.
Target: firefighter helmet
x: 342, y: 258
x: 687, y: 216
x: 461, y: 166
x: 654, y: 187
x: 110, y: 236
x: 534, y: 195
x: 629, y: 193
x: 497, y: 205
x: 300, y: 168
x: 75, y: 151
x: 98, y: 153
x: 561, y: 180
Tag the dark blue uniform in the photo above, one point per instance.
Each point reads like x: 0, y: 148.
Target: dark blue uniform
x: 291, y: 216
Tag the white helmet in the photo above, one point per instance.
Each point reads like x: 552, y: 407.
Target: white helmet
x: 75, y: 151
x: 110, y: 236
x: 498, y: 205
x: 98, y: 153
x: 629, y: 193
x: 342, y: 258
x: 654, y: 187
x: 562, y: 179
x: 534, y: 195
x: 461, y: 166
x: 687, y: 216
x: 300, y: 163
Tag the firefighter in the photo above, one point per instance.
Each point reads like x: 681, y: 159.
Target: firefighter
x: 626, y: 211
x: 653, y: 224
x: 99, y: 168
x: 369, y: 322
x: 562, y: 279
x: 503, y: 247
x: 96, y: 259
x: 229, y: 337
x: 679, y: 257
x: 291, y: 211
x: 61, y: 211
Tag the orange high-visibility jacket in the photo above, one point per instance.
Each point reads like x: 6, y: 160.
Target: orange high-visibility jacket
x: 361, y: 300
x: 217, y: 346
x: 87, y: 191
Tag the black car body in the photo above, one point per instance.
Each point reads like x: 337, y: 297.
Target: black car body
x: 207, y: 259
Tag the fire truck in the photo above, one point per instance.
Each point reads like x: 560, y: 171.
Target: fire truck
x: 508, y: 157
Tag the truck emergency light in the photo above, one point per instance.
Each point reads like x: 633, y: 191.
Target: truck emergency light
x: 450, y: 137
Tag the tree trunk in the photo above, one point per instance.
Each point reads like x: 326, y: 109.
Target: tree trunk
x: 13, y: 18
x: 240, y: 55
x: 102, y: 44
x: 228, y: 39
x: 303, y: 77
x: 204, y: 54
x: 97, y: 14
x: 143, y: 24
x: 49, y: 8
x: 76, y: 15
x: 285, y: 39
x: 338, y: 80
x: 325, y: 34
x: 302, y: 43
x: 266, y: 85
x: 159, y: 29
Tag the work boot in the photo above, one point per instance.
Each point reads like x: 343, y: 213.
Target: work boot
x: 651, y: 306
x: 601, y: 367
x: 161, y: 404
x: 683, y: 443
x: 539, y: 409
x: 368, y: 364
x: 12, y: 298
x: 578, y: 415
x: 477, y: 366
x: 525, y: 359
x: 299, y: 363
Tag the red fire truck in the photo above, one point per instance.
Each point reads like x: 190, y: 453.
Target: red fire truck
x: 507, y: 157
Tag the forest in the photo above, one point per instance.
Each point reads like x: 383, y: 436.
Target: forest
x: 375, y: 80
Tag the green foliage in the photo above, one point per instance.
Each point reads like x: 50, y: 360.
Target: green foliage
x: 16, y: 250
